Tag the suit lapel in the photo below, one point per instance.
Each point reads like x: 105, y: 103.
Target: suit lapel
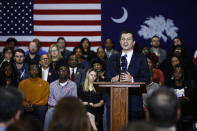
x: 133, y: 58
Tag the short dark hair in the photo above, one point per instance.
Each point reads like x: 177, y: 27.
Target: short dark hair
x: 20, y: 51
x: 69, y: 115
x: 61, y: 38
x: 127, y: 32
x: 163, y: 105
x: 10, y: 102
x: 139, y: 126
x: 6, y: 49
x: 11, y: 40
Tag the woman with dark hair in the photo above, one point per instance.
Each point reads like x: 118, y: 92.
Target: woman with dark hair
x: 101, y: 54
x: 8, y: 77
x: 99, y: 66
x: 87, y: 53
x: 84, y: 64
x: 184, y: 87
x: 8, y: 57
x: 69, y: 115
x: 92, y: 99
x: 157, y: 75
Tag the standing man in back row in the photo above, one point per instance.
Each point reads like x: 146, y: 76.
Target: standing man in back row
x: 134, y: 69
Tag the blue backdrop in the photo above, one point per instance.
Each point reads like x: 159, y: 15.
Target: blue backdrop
x: 168, y: 17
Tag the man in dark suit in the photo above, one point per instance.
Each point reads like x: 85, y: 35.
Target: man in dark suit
x: 135, y: 69
x: 48, y: 74
x: 77, y: 74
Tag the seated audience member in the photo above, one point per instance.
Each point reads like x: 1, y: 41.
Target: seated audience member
x: 109, y: 44
x: 157, y: 75
x: 162, y: 110
x: 25, y: 124
x: 48, y: 74
x: 92, y: 100
x: 184, y: 89
x: 77, y: 51
x: 101, y: 54
x: 145, y: 50
x: 77, y: 74
x: 22, y: 68
x: 55, y: 57
x: 177, y: 41
x: 36, y: 92
x: 139, y: 126
x: 61, y: 87
x: 87, y: 53
x: 32, y: 56
x: 169, y: 66
x: 11, y: 43
x: 8, y: 57
x: 61, y: 43
x: 10, y: 106
x: 58, y: 89
x: 8, y: 77
x: 195, y: 57
x: 69, y: 115
x: 99, y: 66
x: 40, y: 51
x: 159, y: 52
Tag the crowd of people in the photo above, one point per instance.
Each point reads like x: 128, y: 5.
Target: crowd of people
x: 55, y: 89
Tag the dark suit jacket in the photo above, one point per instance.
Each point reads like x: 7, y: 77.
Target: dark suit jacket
x: 52, y: 75
x: 80, y: 76
x: 138, y: 68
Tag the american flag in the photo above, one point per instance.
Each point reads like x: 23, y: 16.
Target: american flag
x: 49, y: 19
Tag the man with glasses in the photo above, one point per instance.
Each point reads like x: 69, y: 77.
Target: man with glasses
x: 32, y: 56
x: 58, y: 89
x: 48, y: 74
x: 20, y: 66
x: 159, y: 52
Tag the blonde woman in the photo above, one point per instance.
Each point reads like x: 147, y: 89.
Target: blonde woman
x: 55, y: 57
x: 92, y: 100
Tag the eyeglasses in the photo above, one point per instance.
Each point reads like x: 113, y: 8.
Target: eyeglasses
x: 44, y: 59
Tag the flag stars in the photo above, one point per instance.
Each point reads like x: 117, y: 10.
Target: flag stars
x: 4, y: 7
x: 15, y: 17
x: 15, y: 10
x: 23, y: 3
x: 4, y: 28
x: 26, y: 28
x: 11, y: 7
x: 30, y: 31
x: 8, y: 3
x: 4, y: 21
x: 11, y: 14
x: 23, y: 10
x: 8, y: 32
x: 12, y: 28
x: 8, y: 24
x: 19, y: 7
x: 19, y: 28
x: 26, y: 6
x: 26, y: 14
x: 30, y: 3
x: 15, y: 3
x: 4, y: 14
x: 8, y: 10
x: 15, y: 24
x: 11, y: 21
x: 23, y: 32
x: 15, y: 32
x: 23, y: 17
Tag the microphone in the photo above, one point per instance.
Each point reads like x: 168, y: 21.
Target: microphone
x: 123, y: 64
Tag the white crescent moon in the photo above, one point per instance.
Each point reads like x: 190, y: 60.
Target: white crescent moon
x: 123, y: 18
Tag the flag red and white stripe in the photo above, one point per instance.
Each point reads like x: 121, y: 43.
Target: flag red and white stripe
x: 71, y: 19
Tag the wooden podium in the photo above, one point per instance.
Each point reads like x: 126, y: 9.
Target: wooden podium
x: 119, y: 92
